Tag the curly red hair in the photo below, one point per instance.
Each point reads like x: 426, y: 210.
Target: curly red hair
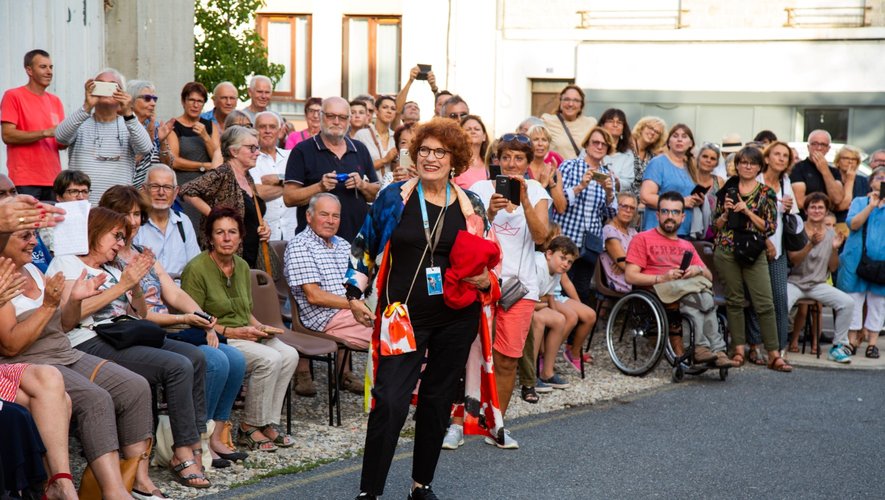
x: 452, y: 137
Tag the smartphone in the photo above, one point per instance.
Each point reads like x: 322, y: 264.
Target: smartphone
x: 104, y: 89
x: 201, y: 314
x: 882, y: 191
x: 494, y: 171
x: 271, y: 330
x: 698, y: 189
x: 686, y: 260
x: 423, y: 69
x: 599, y: 177
x: 404, y: 159
x: 508, y: 188
x: 342, y: 177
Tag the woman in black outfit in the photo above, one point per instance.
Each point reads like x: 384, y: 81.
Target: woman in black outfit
x: 395, y: 229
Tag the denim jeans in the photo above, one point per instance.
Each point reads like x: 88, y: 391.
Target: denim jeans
x: 225, y: 369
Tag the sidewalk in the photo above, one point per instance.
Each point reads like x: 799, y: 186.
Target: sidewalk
x: 858, y: 361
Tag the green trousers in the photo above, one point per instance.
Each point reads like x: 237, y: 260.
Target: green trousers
x: 526, y: 368
x: 757, y: 281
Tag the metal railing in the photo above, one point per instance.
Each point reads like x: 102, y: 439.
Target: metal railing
x: 828, y: 17
x: 632, y: 19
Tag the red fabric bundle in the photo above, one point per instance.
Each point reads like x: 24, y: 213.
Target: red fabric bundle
x: 470, y: 255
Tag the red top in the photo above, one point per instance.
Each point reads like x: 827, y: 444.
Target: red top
x: 37, y: 163
x: 656, y: 254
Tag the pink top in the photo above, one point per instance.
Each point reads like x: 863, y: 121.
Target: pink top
x: 295, y: 137
x: 616, y: 280
x: 554, y: 157
x: 471, y: 176
x: 656, y: 254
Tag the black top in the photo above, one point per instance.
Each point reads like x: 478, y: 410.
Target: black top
x: 407, y: 243
x: 310, y: 159
x: 250, y: 239
x: 805, y: 171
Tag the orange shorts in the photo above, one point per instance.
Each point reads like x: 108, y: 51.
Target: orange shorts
x: 512, y: 328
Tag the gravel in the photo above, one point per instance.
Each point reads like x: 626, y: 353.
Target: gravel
x: 317, y: 443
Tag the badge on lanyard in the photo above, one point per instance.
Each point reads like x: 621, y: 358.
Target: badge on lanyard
x: 433, y: 274
x: 434, y: 280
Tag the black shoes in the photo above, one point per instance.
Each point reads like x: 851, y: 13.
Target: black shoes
x: 366, y: 496
x: 423, y: 493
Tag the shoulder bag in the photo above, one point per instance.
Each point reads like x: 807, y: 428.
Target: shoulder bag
x: 794, y: 237
x: 568, y: 134
x: 868, y: 269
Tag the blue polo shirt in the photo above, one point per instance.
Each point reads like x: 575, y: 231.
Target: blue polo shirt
x: 310, y: 159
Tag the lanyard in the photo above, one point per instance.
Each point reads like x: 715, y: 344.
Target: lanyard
x: 427, y: 231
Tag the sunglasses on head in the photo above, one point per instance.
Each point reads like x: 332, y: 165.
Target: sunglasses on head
x: 516, y: 137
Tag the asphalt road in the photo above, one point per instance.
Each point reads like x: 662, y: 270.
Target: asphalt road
x: 809, y: 434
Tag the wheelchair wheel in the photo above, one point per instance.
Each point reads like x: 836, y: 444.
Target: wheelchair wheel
x: 636, y: 331
x: 678, y: 374
x: 723, y: 374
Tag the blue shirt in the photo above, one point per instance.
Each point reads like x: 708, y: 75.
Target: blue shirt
x: 668, y: 177
x: 587, y: 211
x: 210, y: 115
x: 847, y: 278
x: 172, y: 253
x: 310, y: 159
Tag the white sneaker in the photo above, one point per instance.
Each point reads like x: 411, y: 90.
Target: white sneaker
x: 509, y: 442
x: 454, y: 437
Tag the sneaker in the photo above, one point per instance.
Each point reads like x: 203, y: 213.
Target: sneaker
x: 154, y: 495
x: 556, y: 382
x: 304, y: 385
x: 571, y: 360
x: 839, y: 354
x: 423, y: 493
x: 542, y: 388
x: 509, y: 442
x: 366, y: 496
x: 454, y: 437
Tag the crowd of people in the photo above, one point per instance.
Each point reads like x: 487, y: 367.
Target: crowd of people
x: 495, y: 242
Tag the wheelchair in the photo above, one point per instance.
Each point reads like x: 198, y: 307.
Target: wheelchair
x: 638, y: 334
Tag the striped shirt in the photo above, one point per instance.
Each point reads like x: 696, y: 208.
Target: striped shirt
x: 105, y: 151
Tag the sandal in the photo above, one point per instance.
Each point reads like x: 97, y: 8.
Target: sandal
x: 529, y: 395
x: 282, y: 440
x: 246, y: 439
x: 778, y: 364
x: 737, y: 359
x: 54, y: 478
x: 793, y: 348
x: 185, y: 480
x: 754, y: 357
x: 872, y: 352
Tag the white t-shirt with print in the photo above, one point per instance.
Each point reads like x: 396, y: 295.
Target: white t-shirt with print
x: 513, y: 233
x: 547, y: 283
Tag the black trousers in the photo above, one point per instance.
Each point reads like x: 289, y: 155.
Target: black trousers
x: 581, y: 275
x: 447, y: 350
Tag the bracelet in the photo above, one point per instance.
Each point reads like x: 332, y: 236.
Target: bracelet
x: 223, y: 330
x: 129, y: 118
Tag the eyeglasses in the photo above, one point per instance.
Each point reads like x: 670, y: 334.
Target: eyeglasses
x: 439, y: 153
x: 156, y: 188
x: 819, y: 144
x: 599, y: 144
x: 656, y: 131
x: 253, y: 148
x: 119, y: 236
x: 879, y: 178
x: 76, y: 193
x: 313, y: 111
x: 668, y: 211
x: 457, y: 116
x: 628, y: 208
x: 333, y: 117
x: 570, y: 99
x: 107, y: 158
x: 745, y: 163
x: 516, y: 137
x: 195, y: 101
x: 28, y: 235
x: 149, y: 98
x: 614, y: 121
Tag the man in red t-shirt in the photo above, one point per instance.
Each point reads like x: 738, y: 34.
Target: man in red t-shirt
x: 655, y: 256
x: 29, y: 115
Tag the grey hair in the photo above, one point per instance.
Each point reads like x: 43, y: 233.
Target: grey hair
x: 233, y: 137
x: 121, y: 80
x: 161, y: 167
x: 530, y: 122
x: 712, y: 147
x: 877, y: 152
x: 317, y: 197
x: 877, y: 170
x: 257, y: 78
x: 627, y: 194
x: 134, y: 87
x: 451, y: 101
x: 821, y: 131
x: 268, y: 113
x: 222, y: 84
x: 234, y: 116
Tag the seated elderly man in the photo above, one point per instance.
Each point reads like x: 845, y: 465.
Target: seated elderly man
x: 654, y: 259
x: 167, y: 232
x: 316, y: 261
x: 811, y: 266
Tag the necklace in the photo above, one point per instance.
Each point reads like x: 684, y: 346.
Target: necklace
x: 220, y: 268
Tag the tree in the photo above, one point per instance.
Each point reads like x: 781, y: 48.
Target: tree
x: 227, y: 47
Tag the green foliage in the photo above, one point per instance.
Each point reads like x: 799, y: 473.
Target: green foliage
x: 226, y: 45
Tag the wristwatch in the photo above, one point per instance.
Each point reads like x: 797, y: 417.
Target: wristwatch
x: 202, y: 168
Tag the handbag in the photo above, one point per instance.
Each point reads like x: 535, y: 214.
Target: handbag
x: 125, y: 331
x: 512, y: 290
x: 748, y: 246
x: 868, y: 269
x: 591, y: 248
x: 89, y: 488
x: 397, y: 335
x: 794, y: 237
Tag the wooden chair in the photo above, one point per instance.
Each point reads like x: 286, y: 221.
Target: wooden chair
x: 279, y: 248
x: 266, y: 309
x: 813, y: 326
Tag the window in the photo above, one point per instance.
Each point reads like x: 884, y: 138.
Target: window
x: 833, y: 120
x: 287, y: 37
x: 371, y: 56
